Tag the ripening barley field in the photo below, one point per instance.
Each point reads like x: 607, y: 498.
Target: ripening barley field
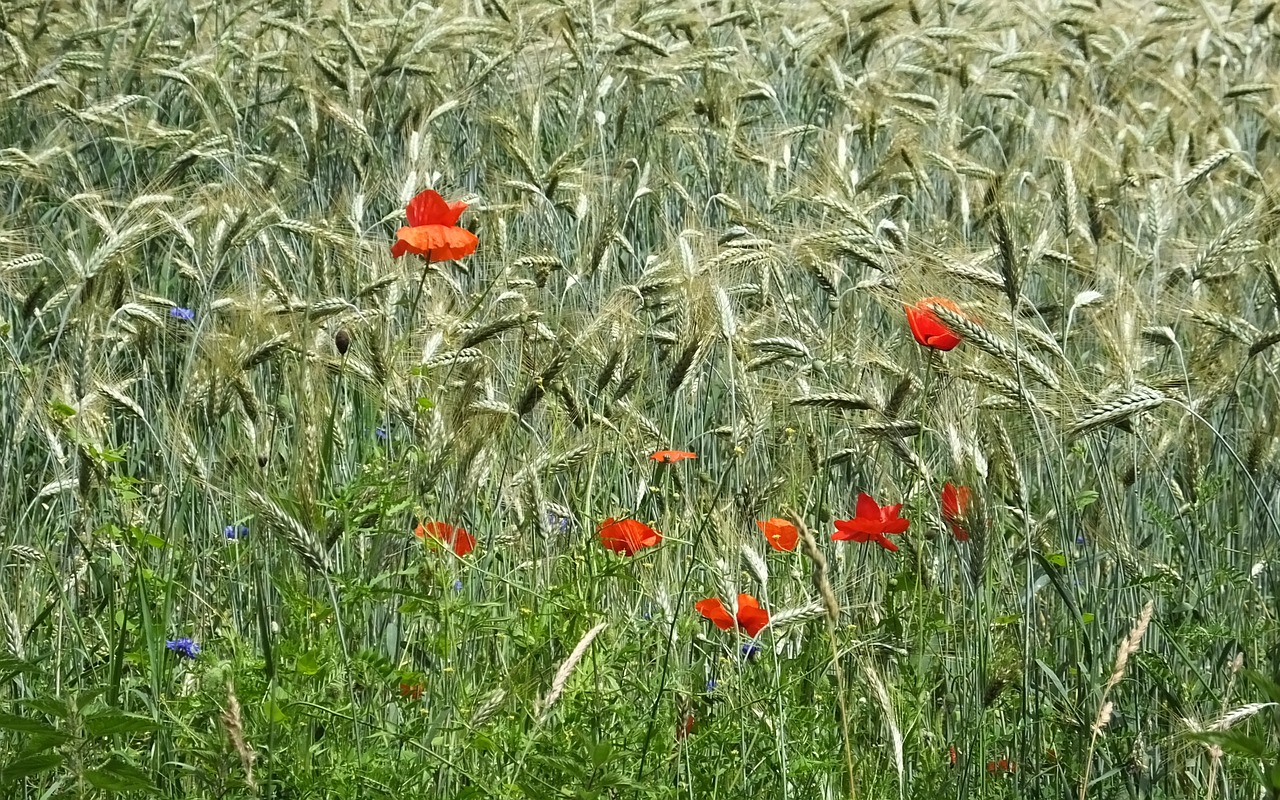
x: 800, y: 400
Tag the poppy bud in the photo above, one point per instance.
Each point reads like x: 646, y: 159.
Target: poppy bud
x: 342, y: 341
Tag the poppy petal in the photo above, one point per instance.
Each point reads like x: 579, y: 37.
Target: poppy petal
x: 714, y: 610
x: 886, y: 544
x: 752, y: 620
x: 438, y: 242
x: 867, y: 507
x: 429, y: 208
x: 779, y: 533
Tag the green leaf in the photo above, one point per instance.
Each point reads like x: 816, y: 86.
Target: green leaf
x: 60, y: 409
x: 119, y: 777
x: 600, y: 753
x: 1085, y: 498
x: 1087, y: 617
x: 9, y: 664
x: 308, y: 664
x: 51, y: 706
x: 110, y: 722
x: 13, y: 722
x: 425, y: 404
x: 21, y: 768
x: 273, y: 711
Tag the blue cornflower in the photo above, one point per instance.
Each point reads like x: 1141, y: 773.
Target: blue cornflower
x: 381, y: 433
x: 183, y: 647
x: 555, y: 520
x: 185, y: 314
x: 711, y: 685
x: 750, y: 650
x: 234, y: 532
x: 1080, y: 539
x: 457, y: 585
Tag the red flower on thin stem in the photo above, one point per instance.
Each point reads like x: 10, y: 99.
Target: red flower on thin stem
x: 433, y: 230
x: 672, y: 456
x: 458, y: 539
x: 956, y: 501
x: 871, y: 523
x: 779, y: 533
x: 413, y: 691
x: 750, y: 617
x: 627, y: 536
x: 925, y: 326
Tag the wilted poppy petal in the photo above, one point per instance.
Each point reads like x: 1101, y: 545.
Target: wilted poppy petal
x: 779, y: 533
x: 672, y: 456
x: 955, y: 509
x: 714, y: 610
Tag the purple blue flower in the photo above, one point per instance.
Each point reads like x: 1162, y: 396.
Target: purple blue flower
x: 711, y: 685
x: 457, y: 585
x: 235, y: 532
x: 1080, y: 539
x: 750, y: 650
x: 183, y: 647
x: 381, y: 433
x: 184, y: 314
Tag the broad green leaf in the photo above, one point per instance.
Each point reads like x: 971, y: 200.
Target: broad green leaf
x: 13, y: 722
x: 118, y: 777
x: 21, y: 768
x: 107, y: 723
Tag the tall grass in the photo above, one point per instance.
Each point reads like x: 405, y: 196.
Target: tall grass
x: 698, y: 226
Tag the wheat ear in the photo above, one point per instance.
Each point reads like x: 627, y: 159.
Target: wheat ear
x: 1127, y: 648
x: 566, y: 669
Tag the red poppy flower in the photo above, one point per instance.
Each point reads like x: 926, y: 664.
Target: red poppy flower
x: 413, y: 691
x: 433, y: 231
x: 684, y: 727
x: 951, y: 755
x: 672, y: 456
x: 871, y: 523
x: 927, y: 328
x: 627, y: 536
x: 751, y: 617
x: 1003, y: 765
x: 457, y: 538
x: 779, y: 533
x: 955, y: 509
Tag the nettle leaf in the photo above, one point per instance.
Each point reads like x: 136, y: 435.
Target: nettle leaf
x: 13, y: 722
x: 21, y: 768
x: 119, y: 777
x: 108, y: 723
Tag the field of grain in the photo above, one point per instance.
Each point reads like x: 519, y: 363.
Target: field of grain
x: 1012, y: 266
